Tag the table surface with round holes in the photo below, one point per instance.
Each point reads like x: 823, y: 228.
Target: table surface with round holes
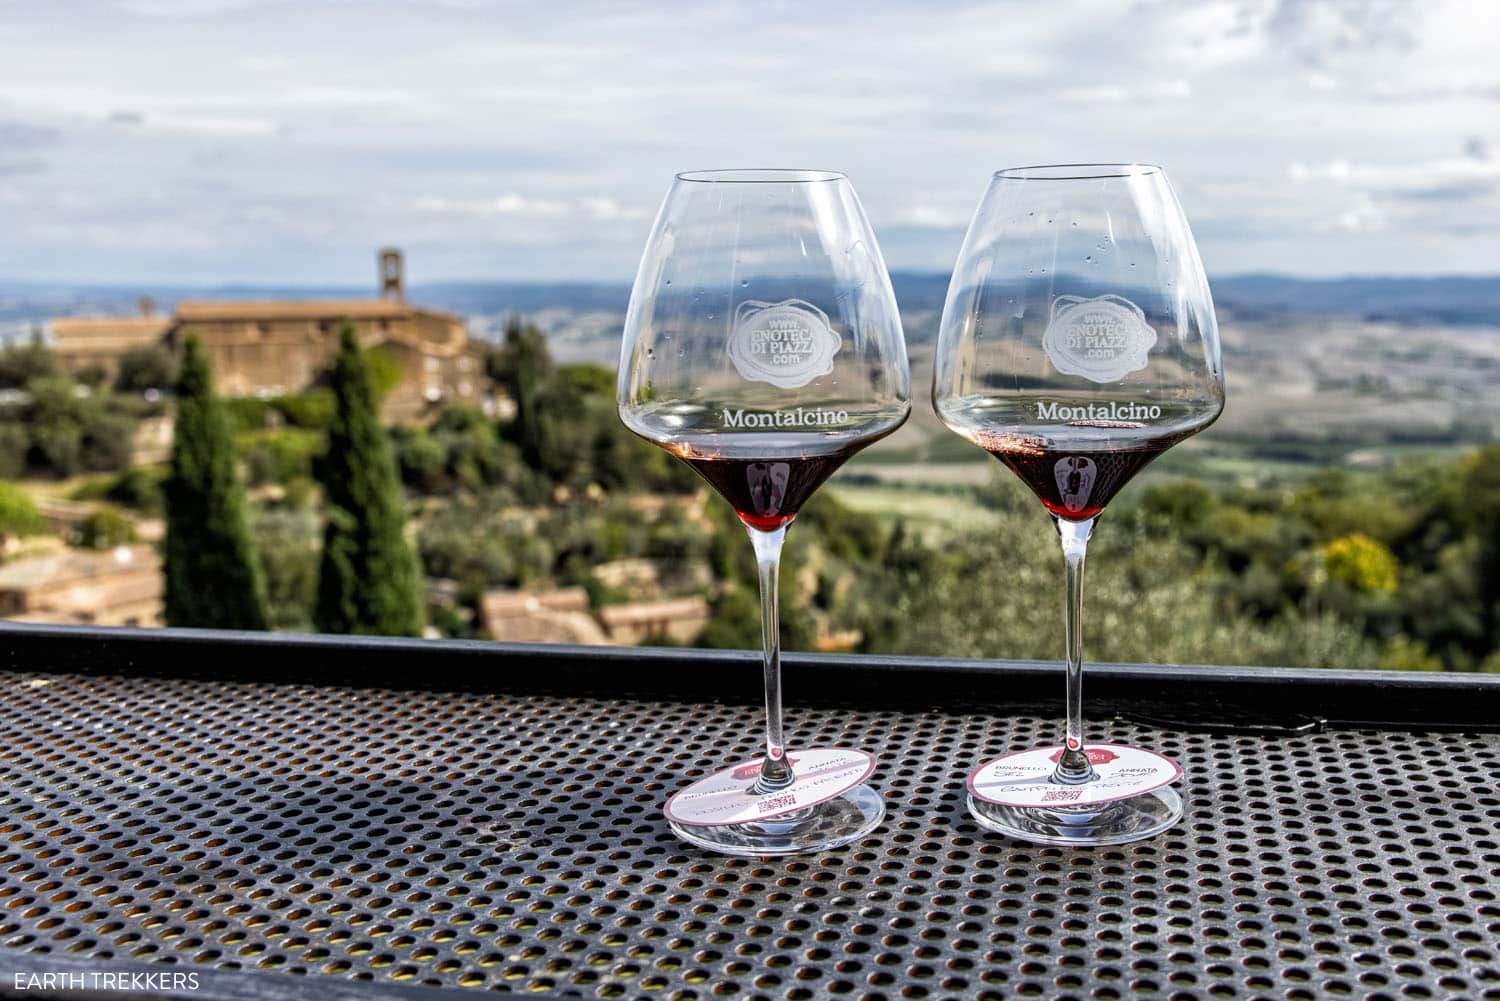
x: 515, y: 842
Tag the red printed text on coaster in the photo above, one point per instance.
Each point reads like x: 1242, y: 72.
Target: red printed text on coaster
x: 725, y: 797
x: 1023, y: 779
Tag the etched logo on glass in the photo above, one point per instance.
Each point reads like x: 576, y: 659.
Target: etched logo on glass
x: 787, y: 344
x: 1102, y: 339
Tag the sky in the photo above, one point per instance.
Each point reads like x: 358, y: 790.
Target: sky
x: 259, y: 141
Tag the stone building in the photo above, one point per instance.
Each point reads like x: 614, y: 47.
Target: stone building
x: 83, y: 342
x: 272, y: 348
x: 562, y: 616
x: 556, y: 616
x: 677, y: 619
x: 121, y: 587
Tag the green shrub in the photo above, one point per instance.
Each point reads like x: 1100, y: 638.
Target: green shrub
x: 247, y: 413
x: 92, y: 376
x: 146, y: 367
x: 14, y: 444
x: 18, y: 515
x: 735, y: 624
x: 21, y: 363
x: 106, y: 528
x: 1361, y: 563
x: 108, y: 442
x: 280, y: 456
x: 1402, y: 653
x: 287, y: 540
x: 422, y: 461
x: 70, y: 430
x: 313, y: 409
x: 385, y: 371
x: 140, y: 488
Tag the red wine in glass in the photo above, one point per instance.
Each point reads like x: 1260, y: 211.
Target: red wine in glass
x: 765, y: 493
x: 1076, y: 482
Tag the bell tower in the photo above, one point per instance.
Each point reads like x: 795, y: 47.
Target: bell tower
x: 392, y: 282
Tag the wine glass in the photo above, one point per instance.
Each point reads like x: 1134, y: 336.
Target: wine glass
x: 763, y: 347
x: 1078, y: 343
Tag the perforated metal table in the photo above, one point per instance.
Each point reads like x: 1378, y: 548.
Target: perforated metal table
x: 303, y: 817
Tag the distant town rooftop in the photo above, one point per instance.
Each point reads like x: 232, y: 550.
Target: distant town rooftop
x: 304, y: 309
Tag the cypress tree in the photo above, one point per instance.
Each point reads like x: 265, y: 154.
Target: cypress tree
x: 368, y: 580
x: 524, y: 368
x: 214, y: 580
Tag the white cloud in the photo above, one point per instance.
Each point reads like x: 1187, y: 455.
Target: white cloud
x: 1449, y: 194
x: 595, y: 208
x: 1362, y: 216
x: 501, y: 205
x: 538, y: 143
x: 1483, y: 90
x: 1477, y: 172
x: 927, y: 216
x: 214, y: 125
x: 609, y: 210
x: 333, y: 96
x: 1117, y: 94
x: 183, y: 8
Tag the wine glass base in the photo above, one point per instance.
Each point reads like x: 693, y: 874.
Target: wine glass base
x: 1115, y: 823
x: 832, y: 823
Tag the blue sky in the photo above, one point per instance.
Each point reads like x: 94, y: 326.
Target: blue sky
x: 201, y: 141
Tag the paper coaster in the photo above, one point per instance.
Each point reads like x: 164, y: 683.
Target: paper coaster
x: 1023, y: 779
x: 725, y: 798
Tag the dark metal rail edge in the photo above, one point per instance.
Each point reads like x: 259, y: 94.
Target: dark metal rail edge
x: 1204, y: 697
x: 35, y: 976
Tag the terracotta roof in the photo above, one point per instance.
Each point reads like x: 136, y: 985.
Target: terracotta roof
x: 105, y: 333
x: 547, y: 627
x: 73, y: 565
x: 558, y: 616
x: 90, y: 324
x: 654, y: 611
x: 503, y: 603
x: 305, y: 309
x: 93, y: 334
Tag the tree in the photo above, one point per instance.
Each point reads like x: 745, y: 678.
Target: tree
x: 1361, y: 563
x: 1482, y: 498
x: 149, y: 366
x: 71, y: 430
x: 14, y: 444
x: 524, y: 367
x: 58, y: 418
x: 20, y: 363
x: 368, y: 578
x: 214, y: 579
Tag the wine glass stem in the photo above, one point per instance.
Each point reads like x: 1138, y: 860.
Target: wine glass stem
x: 775, y: 772
x: 1073, y: 767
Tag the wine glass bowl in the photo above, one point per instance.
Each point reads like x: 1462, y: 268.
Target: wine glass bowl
x: 1078, y: 317
x: 763, y: 347
x: 1077, y: 344
x: 784, y: 256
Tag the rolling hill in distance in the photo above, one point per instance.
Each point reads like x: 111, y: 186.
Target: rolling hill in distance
x: 1455, y: 299
x: 1358, y: 372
